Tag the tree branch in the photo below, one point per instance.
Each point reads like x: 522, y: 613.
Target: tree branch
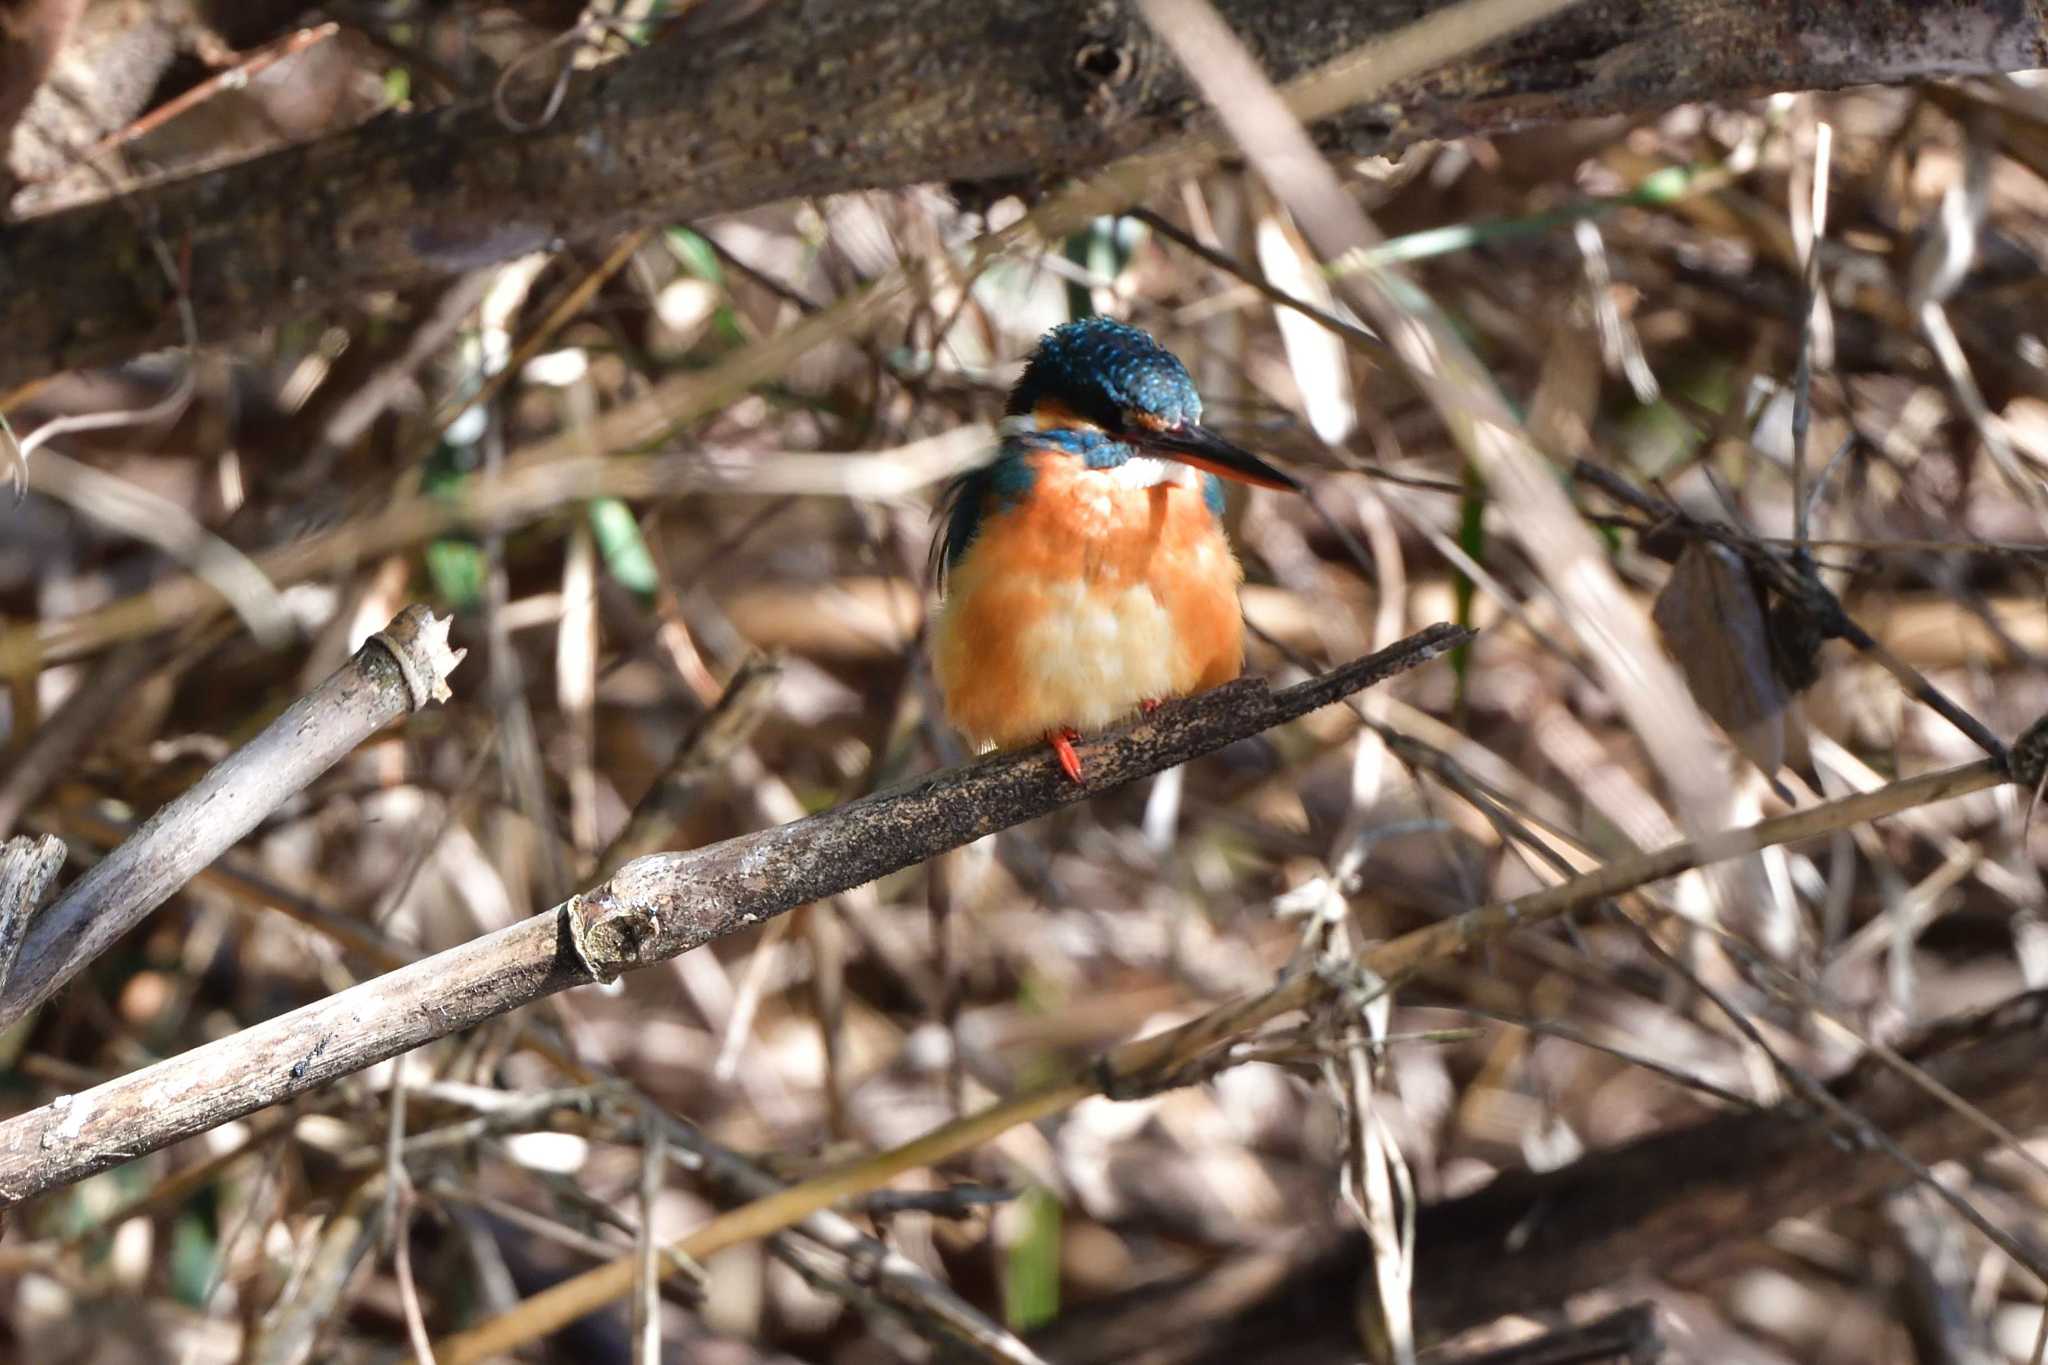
x: 28, y: 867
x: 653, y: 908
x: 401, y: 669
x: 1008, y: 94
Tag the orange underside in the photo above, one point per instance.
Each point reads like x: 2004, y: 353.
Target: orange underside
x: 1083, y: 602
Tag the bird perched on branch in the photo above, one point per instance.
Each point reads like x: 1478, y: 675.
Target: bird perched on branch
x: 1085, y: 569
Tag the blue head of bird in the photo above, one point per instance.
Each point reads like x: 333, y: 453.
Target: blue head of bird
x: 1106, y: 394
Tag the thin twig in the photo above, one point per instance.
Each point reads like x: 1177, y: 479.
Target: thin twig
x: 292, y: 1328
x: 156, y: 520
x: 1239, y: 270
x: 935, y: 1310
x: 1854, y: 1125
x: 1802, y: 369
x: 703, y: 753
x: 55, y: 748
x: 228, y: 78
x: 408, y: 1289
x: 647, y: 1303
x: 1626, y: 1337
x: 1791, y: 575
x: 536, y: 483
x: 163, y: 410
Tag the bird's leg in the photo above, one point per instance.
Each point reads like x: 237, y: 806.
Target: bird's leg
x: 1062, y: 742
x: 1150, y: 704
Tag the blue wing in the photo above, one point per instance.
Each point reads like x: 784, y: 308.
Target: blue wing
x: 970, y: 498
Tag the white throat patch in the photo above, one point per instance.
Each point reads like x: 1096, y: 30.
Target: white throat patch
x: 1146, y: 471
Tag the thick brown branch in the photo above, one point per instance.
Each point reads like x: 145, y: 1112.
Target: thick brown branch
x: 652, y: 908
x: 819, y: 99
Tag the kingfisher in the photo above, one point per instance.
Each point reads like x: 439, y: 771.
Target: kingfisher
x: 1084, y: 570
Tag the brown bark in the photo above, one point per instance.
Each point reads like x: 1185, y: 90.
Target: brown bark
x: 31, y: 32
x: 816, y: 99
x: 74, y: 73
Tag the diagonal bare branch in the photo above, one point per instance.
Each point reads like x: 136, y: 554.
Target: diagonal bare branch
x: 401, y: 669
x: 653, y: 908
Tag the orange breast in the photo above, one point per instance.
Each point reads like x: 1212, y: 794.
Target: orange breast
x: 1084, y: 600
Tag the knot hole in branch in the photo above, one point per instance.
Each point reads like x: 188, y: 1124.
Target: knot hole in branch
x: 1103, y: 63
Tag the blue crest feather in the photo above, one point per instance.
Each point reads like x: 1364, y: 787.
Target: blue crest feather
x: 1102, y: 369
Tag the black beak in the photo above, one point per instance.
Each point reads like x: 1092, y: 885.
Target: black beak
x: 1204, y: 449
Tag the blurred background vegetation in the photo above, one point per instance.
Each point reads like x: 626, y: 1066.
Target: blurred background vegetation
x: 1637, y: 286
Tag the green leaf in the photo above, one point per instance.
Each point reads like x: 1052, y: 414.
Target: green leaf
x: 622, y: 547
x: 192, y: 1257
x: 1472, y: 540
x: 1031, y: 1276
x: 456, y: 569
x: 694, y: 253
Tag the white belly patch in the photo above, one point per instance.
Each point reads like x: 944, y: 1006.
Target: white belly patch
x: 1095, y: 654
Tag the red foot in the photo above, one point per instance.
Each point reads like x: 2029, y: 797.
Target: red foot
x: 1150, y: 704
x: 1062, y: 742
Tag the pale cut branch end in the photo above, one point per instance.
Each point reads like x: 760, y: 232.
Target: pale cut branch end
x: 417, y: 641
